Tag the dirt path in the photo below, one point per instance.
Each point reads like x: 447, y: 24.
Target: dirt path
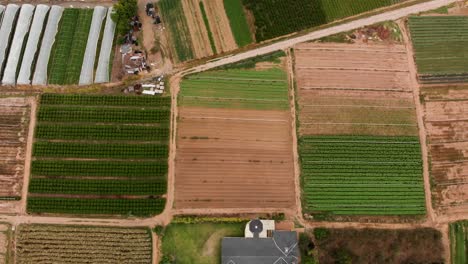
x: 29, y: 145
x: 297, y: 169
x: 420, y: 116
x: 281, y: 45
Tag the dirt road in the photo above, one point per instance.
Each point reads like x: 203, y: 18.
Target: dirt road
x: 284, y: 44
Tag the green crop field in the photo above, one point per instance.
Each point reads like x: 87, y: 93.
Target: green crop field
x: 459, y: 242
x: 237, y: 88
x: 441, y: 45
x: 277, y: 18
x: 172, y: 14
x: 105, y: 146
x: 362, y: 175
x: 238, y: 21
x: 68, y: 52
x: 208, y: 29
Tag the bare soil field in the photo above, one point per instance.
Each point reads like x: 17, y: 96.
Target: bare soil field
x: 234, y: 159
x: 352, y: 67
x: 446, y: 121
x: 354, y: 89
x: 13, y: 136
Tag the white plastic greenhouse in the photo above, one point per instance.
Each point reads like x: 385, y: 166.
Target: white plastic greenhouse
x: 87, y: 68
x: 40, y: 73
x: 5, y: 31
x: 24, y: 76
x: 102, y: 71
x: 22, y: 28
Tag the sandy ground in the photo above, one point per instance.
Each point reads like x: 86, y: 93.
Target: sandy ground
x: 219, y: 25
x: 198, y: 32
x: 230, y: 158
x: 13, y: 134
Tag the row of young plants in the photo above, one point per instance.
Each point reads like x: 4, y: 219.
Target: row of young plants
x: 75, y: 157
x: 362, y: 175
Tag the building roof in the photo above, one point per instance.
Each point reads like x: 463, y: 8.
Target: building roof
x: 281, y: 248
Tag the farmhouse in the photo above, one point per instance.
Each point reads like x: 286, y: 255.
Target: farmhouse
x: 262, y: 244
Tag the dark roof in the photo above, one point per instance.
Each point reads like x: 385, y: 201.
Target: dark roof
x: 282, y: 248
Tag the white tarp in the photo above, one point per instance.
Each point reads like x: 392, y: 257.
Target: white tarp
x: 22, y: 28
x: 40, y: 73
x: 24, y: 76
x: 5, y: 31
x: 102, y: 71
x: 87, y: 69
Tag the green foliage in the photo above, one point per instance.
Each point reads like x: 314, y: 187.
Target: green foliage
x: 197, y: 243
x: 135, y: 207
x: 159, y: 230
x: 277, y: 18
x: 252, y: 62
x: 342, y: 256
x: 202, y: 219
x: 321, y: 233
x: 208, y: 29
x: 238, y: 21
x: 173, y: 17
x: 98, y: 187
x: 123, y: 11
x: 237, y: 88
x: 306, y: 248
x: 100, y: 169
x: 362, y: 175
x: 68, y: 52
x: 108, y: 160
x: 459, y: 242
x: 439, y: 43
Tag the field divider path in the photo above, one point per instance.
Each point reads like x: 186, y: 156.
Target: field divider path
x: 28, y: 157
x: 431, y: 217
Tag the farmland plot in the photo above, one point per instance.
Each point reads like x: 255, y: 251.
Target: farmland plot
x: 440, y: 44
x: 459, y: 242
x: 203, y: 31
x: 14, y: 131
x: 234, y: 141
x: 6, y: 244
x: 82, y: 244
x: 277, y: 18
x: 446, y: 109
x: 360, y: 154
x: 100, y: 155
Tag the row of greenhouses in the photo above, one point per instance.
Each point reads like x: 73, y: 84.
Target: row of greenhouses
x: 43, y: 45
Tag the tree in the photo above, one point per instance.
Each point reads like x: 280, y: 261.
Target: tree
x: 122, y: 14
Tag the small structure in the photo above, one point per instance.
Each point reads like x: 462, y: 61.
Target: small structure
x: 262, y: 244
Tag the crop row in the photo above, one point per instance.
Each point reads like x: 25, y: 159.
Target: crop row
x: 277, y: 18
x: 102, y: 132
x: 102, y: 150
x: 99, y: 187
x: 104, y: 100
x: 102, y: 114
x: 362, y: 174
x: 102, y: 168
x: 136, y: 207
x: 68, y: 52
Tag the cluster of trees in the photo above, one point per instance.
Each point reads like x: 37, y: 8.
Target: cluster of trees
x: 124, y: 11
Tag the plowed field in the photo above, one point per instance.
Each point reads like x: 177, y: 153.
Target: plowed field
x: 446, y: 120
x: 234, y: 159
x: 14, y: 120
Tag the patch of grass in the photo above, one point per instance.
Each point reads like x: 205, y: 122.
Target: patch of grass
x: 252, y: 62
x: 237, y: 20
x: 208, y: 29
x: 198, y: 243
x: 172, y: 14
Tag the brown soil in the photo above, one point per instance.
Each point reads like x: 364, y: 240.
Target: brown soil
x: 423, y: 245
x: 446, y: 120
x: 13, y: 136
x: 354, y: 89
x: 198, y: 32
x: 219, y: 25
x: 233, y: 159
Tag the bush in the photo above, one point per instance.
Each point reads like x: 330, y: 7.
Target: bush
x: 124, y: 10
x: 321, y: 233
x: 159, y: 230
